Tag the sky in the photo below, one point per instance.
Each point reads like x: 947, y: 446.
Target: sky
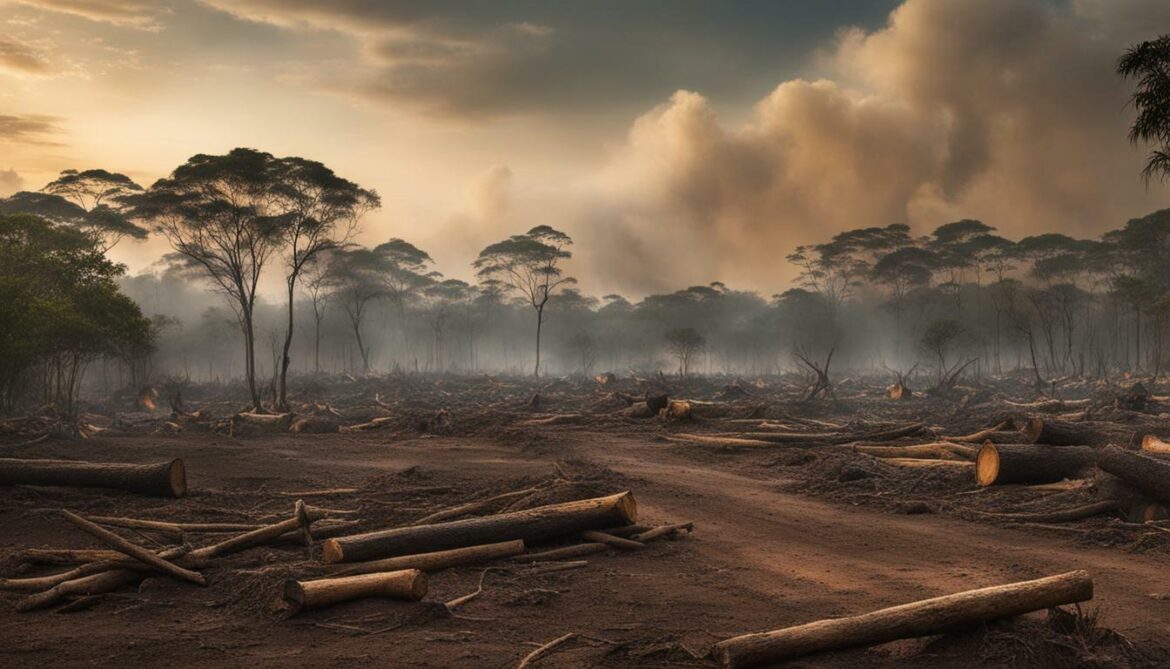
x: 678, y: 142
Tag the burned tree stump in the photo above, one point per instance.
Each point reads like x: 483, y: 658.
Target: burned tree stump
x: 531, y: 525
x: 164, y: 479
x: 998, y: 464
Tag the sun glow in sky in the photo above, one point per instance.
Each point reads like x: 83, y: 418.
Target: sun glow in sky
x: 678, y: 142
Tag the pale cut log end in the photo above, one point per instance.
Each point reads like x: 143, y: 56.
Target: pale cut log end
x: 178, y: 478
x: 987, y: 464
x: 628, y: 507
x: 1152, y: 444
x: 418, y: 584
x: 331, y: 551
x: 1033, y: 430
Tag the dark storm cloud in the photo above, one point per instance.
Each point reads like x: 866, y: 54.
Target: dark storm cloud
x: 469, y: 59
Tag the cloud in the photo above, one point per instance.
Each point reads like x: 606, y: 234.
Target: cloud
x: 140, y: 14
x: 1003, y: 110
x: 28, y: 129
x: 10, y: 182
x: 21, y: 58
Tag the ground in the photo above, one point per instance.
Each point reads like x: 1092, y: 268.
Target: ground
x: 765, y: 553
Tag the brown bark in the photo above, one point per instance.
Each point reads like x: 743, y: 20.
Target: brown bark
x: 916, y: 619
x: 611, y: 540
x: 1149, y: 475
x: 998, y: 464
x: 937, y: 451
x: 96, y: 584
x: 576, y: 550
x: 434, y: 561
x: 302, y: 519
x: 835, y: 437
x: 165, y: 479
x: 531, y: 525
x: 133, y: 550
x: 406, y: 584
x: 1056, y: 433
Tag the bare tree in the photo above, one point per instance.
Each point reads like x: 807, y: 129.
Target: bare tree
x: 684, y: 344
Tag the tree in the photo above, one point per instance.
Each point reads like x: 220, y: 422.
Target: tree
x: 319, y: 212
x: 60, y: 309
x: 405, y: 271
x: 443, y: 298
x: 221, y: 213
x: 937, y: 339
x: 104, y: 225
x: 355, y: 280
x: 684, y: 344
x: 584, y: 346
x: 316, y: 285
x: 100, y: 193
x: 1149, y: 64
x: 529, y: 264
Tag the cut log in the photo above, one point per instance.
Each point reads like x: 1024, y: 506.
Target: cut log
x: 677, y: 410
x: 921, y: 463
x: 165, y: 479
x: 724, y: 442
x: 916, y: 619
x: 1148, y: 474
x: 835, y: 437
x: 531, y: 525
x: 663, y: 531
x: 406, y: 584
x: 434, y: 561
x: 1055, y: 433
x: 1152, y: 444
x: 133, y: 550
x: 997, y: 464
x: 171, y: 529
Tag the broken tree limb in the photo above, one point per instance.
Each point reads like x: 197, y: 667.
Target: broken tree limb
x: 724, y: 442
x: 302, y: 519
x: 165, y: 479
x: 611, y: 540
x: 916, y: 619
x: 172, y: 529
x: 543, y: 650
x: 663, y: 531
x: 434, y: 561
x: 133, y: 550
x: 576, y: 550
x: 405, y: 584
x: 997, y: 464
x: 95, y: 584
x: 472, y: 507
x: 1062, y: 516
x: 1003, y: 433
x: 936, y: 451
x: 1148, y: 474
x: 531, y: 525
x: 117, y: 561
x: 835, y: 437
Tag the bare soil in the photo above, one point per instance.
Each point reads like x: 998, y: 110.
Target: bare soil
x: 770, y: 549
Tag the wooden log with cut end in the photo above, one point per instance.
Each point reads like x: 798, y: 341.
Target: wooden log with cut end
x: 663, y: 531
x: 405, y: 584
x: 678, y: 410
x: 531, y: 525
x: 916, y: 619
x: 165, y: 479
x: 1058, y: 433
x: 1148, y: 474
x: 997, y: 464
x: 435, y: 560
x: 1153, y: 444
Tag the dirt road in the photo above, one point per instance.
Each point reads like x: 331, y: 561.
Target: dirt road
x: 760, y: 558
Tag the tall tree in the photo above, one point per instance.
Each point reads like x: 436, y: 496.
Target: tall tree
x: 529, y: 264
x: 1148, y: 63
x: 221, y: 213
x: 356, y: 279
x: 319, y: 212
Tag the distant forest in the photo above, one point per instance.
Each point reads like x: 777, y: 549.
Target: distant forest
x: 961, y: 299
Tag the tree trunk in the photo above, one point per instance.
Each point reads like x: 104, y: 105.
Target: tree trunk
x: 539, y: 324
x: 1148, y: 474
x: 407, y: 584
x: 250, y: 358
x: 1055, y: 433
x: 916, y: 619
x: 282, y: 396
x: 998, y: 464
x: 434, y: 561
x: 166, y: 479
x: 531, y: 525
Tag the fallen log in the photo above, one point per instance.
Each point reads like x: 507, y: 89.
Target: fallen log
x: 1148, y: 474
x: 725, y: 442
x: 576, y: 550
x: 936, y: 451
x: 1061, y: 516
x: 303, y: 518
x: 531, y: 525
x: 406, y: 584
x: 663, y: 531
x: 916, y: 619
x: 611, y: 540
x: 835, y: 437
x: 96, y: 584
x: 165, y: 479
x: 997, y: 464
x: 1152, y: 444
x: 1055, y: 433
x: 921, y: 463
x: 434, y: 561
x: 171, y: 529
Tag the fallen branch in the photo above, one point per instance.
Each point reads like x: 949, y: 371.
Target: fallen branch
x: 543, y: 650
x: 406, y: 584
x: 133, y: 550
